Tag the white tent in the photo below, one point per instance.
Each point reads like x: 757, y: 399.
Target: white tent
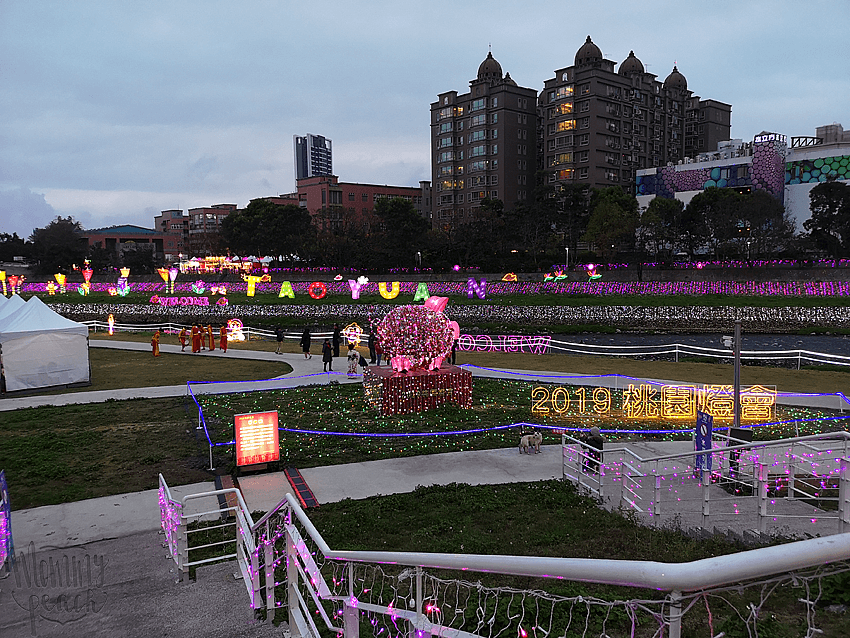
x: 40, y: 348
x: 10, y: 306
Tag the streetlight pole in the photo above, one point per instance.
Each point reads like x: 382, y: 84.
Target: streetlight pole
x: 567, y: 248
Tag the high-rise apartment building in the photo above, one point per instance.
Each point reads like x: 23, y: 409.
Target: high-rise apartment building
x: 600, y: 125
x: 483, y: 145
x: 313, y: 156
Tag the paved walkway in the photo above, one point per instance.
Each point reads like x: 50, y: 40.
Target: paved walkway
x: 137, y: 594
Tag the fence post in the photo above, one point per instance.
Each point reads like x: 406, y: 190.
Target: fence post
x: 351, y: 621
x: 792, y: 471
x: 675, y: 614
x: 706, y: 494
x: 657, y: 496
x: 292, y: 584
x: 418, y: 622
x: 843, y: 497
x: 268, y: 559
x: 762, y: 496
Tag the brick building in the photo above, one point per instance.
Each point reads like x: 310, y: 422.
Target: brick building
x: 121, y: 239
x: 174, y: 225
x: 204, y: 228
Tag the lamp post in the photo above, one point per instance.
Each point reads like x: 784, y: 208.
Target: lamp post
x: 567, y: 248
x: 418, y: 258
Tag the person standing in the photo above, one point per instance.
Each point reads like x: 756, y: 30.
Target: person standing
x: 196, y: 338
x: 379, y: 351
x: 595, y: 443
x: 336, y: 340
x: 155, y: 343
x: 371, y: 344
x: 305, y: 343
x: 454, y: 351
x: 182, y: 339
x: 222, y: 338
x: 353, y: 360
x: 278, y: 332
x: 327, y: 356
x: 211, y: 337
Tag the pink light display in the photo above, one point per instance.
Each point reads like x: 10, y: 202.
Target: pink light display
x: 415, y: 336
x: 504, y: 343
x: 180, y: 301
x: 474, y: 288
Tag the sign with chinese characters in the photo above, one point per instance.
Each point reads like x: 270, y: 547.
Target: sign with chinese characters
x: 702, y: 441
x: 257, y: 438
x: 655, y: 401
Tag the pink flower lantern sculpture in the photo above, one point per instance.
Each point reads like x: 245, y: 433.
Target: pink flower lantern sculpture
x: 417, y: 336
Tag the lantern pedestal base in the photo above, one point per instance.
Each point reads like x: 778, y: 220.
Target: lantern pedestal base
x: 390, y: 392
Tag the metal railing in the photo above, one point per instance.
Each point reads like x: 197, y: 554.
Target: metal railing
x: 738, y: 480
x: 286, y: 563
x: 174, y: 328
x: 175, y: 525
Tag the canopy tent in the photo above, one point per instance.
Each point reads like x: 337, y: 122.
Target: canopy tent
x: 40, y: 348
x: 10, y: 306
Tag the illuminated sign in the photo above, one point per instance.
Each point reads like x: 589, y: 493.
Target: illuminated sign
x: 180, y: 301
x: 256, y: 438
x: 770, y: 137
x: 650, y: 401
x: 503, y: 343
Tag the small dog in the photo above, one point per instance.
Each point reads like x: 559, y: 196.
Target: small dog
x: 530, y: 442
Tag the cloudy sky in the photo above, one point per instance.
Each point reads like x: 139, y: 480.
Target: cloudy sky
x: 111, y: 111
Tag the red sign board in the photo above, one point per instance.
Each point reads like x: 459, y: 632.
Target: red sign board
x: 257, y: 438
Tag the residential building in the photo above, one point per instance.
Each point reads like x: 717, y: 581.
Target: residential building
x: 125, y: 238
x: 332, y: 203
x: 174, y: 225
x: 767, y: 163
x: 600, y: 125
x: 204, y: 228
x: 483, y: 145
x: 313, y: 156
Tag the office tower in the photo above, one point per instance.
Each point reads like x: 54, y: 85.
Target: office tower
x: 483, y: 145
x: 313, y: 156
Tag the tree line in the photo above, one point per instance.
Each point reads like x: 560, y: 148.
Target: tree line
x: 588, y: 224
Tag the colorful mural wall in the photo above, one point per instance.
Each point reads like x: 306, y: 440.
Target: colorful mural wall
x: 817, y: 170
x: 766, y: 172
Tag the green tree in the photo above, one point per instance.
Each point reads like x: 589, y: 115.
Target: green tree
x: 768, y: 227
x: 59, y: 245
x: 613, y: 222
x: 611, y: 228
x: 266, y: 228
x: 829, y: 225
x: 401, y: 232
x: 12, y: 246
x: 720, y: 208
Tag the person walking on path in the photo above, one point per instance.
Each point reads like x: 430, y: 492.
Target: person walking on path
x: 353, y: 360
x: 595, y: 443
x: 278, y: 332
x: 211, y: 337
x: 336, y: 340
x: 454, y: 351
x: 222, y: 338
x: 155, y: 343
x: 182, y: 339
x: 327, y: 356
x: 371, y: 344
x: 305, y: 343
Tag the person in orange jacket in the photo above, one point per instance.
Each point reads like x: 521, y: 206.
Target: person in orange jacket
x: 222, y: 338
x: 182, y: 339
x: 196, y: 338
x: 210, y: 337
x: 155, y: 344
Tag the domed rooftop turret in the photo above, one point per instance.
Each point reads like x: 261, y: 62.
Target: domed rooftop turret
x: 588, y: 52
x: 490, y: 69
x: 631, y: 65
x: 675, y: 80
x: 509, y: 80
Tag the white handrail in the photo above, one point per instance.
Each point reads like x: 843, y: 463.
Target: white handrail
x: 683, y: 577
